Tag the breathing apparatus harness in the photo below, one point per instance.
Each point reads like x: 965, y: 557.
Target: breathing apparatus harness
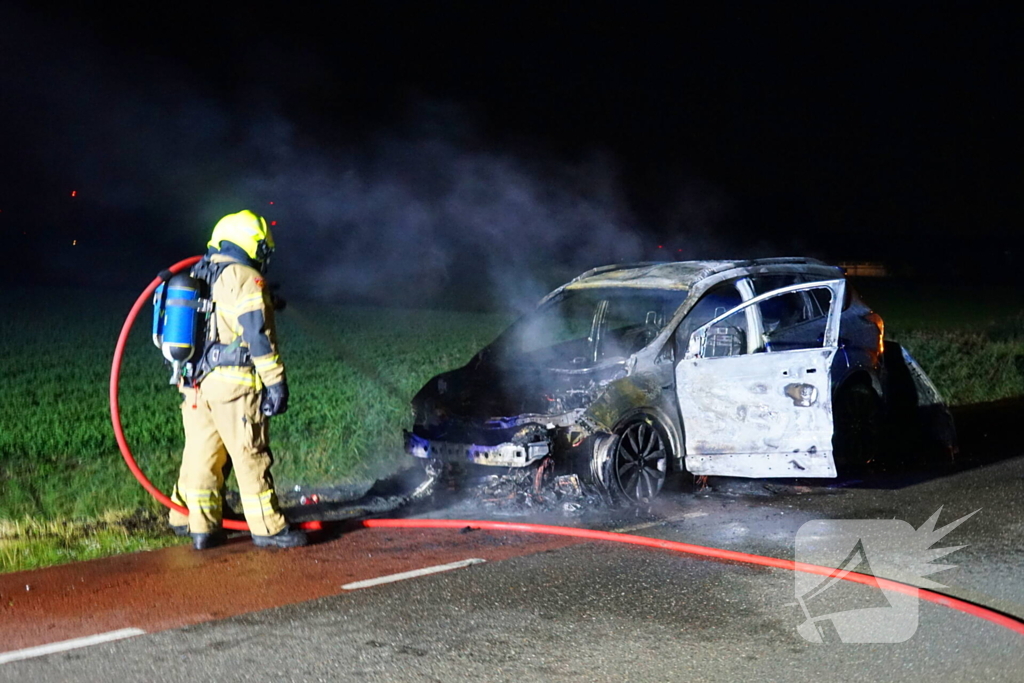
x: 184, y: 321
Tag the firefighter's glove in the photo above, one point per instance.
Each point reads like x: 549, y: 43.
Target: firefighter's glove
x: 275, y: 399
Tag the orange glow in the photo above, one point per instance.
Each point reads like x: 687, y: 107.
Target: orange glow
x: 74, y: 243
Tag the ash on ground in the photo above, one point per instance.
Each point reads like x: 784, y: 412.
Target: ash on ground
x: 525, y: 492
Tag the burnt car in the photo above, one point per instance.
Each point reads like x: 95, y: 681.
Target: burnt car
x: 759, y: 368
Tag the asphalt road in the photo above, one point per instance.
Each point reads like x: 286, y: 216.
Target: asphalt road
x: 595, y: 611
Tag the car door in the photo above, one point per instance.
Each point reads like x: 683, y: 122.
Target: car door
x: 754, y: 385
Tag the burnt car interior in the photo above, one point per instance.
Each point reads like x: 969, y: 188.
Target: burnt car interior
x: 795, y: 320
x: 587, y: 327
x: 789, y: 321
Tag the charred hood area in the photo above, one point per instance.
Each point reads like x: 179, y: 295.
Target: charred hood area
x: 484, y: 402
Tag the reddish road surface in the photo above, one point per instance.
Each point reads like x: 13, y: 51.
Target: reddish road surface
x: 176, y: 587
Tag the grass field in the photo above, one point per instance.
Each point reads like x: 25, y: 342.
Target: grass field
x: 970, y: 341
x: 352, y: 372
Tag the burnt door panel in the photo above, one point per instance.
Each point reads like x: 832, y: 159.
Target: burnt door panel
x: 751, y: 408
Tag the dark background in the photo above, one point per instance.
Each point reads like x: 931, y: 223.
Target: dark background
x: 418, y: 151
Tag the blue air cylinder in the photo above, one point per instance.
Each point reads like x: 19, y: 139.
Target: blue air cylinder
x: 180, y: 319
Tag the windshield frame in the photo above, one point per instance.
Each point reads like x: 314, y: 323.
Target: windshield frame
x: 494, y: 351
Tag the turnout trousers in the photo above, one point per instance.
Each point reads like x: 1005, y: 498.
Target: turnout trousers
x: 221, y: 419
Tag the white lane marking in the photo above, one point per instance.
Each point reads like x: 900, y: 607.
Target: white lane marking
x: 73, y: 644
x: 390, y: 578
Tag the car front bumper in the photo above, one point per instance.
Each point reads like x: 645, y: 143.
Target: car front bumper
x: 501, y: 455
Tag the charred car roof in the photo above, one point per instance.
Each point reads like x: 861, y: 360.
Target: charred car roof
x: 679, y: 275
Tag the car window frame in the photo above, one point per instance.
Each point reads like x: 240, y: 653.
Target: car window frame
x: 694, y: 347
x: 745, y: 291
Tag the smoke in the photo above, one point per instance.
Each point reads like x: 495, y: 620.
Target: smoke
x: 422, y: 210
x: 427, y: 217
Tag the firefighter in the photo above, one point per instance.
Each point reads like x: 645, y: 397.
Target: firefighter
x: 240, y: 383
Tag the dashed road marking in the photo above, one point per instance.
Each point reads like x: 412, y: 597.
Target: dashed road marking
x: 64, y: 645
x: 391, y: 578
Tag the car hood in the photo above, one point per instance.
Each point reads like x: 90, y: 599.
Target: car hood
x: 486, y: 392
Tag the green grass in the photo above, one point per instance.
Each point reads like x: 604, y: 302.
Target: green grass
x: 969, y: 367
x: 352, y: 372
x: 33, y: 543
x: 970, y: 341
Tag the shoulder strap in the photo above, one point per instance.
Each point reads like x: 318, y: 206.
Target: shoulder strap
x: 208, y: 271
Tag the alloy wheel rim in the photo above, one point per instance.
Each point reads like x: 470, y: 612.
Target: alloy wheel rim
x: 640, y: 462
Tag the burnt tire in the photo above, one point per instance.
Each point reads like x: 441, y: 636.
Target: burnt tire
x: 639, y: 461
x: 857, y: 424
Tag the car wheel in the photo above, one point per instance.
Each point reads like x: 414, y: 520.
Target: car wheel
x: 639, y: 462
x: 857, y: 420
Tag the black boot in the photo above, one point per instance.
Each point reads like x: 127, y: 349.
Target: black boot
x: 205, y: 541
x: 285, y: 538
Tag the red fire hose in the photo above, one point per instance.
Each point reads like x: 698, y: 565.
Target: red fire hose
x: 1009, y: 622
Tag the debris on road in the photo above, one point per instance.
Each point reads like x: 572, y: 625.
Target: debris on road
x: 522, y: 490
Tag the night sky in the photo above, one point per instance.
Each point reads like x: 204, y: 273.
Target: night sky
x: 411, y: 147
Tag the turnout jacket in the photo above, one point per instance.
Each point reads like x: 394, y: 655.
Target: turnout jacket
x: 243, y: 313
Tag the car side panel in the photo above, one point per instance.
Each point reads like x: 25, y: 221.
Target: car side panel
x: 742, y: 420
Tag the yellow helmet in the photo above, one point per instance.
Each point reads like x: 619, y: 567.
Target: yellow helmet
x: 248, y: 231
